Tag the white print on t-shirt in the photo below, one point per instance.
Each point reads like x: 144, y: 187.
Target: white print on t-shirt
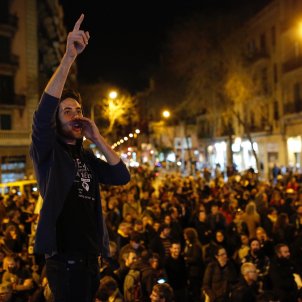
x: 84, y: 175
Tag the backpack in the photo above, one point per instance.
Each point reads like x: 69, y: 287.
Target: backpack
x: 133, y: 286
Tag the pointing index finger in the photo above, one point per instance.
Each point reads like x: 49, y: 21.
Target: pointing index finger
x: 79, y: 22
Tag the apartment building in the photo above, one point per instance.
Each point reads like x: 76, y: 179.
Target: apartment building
x: 32, y: 41
x: 273, y: 39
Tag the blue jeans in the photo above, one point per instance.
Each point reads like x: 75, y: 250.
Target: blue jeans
x: 72, y: 278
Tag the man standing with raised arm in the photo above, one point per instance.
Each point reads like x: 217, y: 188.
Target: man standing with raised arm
x: 71, y: 230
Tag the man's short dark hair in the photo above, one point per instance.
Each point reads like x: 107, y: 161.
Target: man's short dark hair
x: 253, y: 239
x: 278, y: 247
x: 164, y: 291
x: 71, y: 93
x: 67, y: 93
x: 136, y: 237
x: 163, y: 226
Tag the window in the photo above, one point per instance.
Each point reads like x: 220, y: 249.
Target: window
x: 275, y: 74
x: 4, y: 49
x: 12, y: 167
x: 276, y: 111
x: 297, y: 97
x: 4, y: 10
x: 264, y: 82
x: 6, y: 89
x: 273, y: 36
x: 5, y: 122
x: 263, y: 43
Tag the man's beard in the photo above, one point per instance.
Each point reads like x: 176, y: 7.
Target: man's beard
x: 67, y: 132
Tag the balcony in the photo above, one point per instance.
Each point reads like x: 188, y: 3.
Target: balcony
x: 10, y: 59
x: 9, y: 64
x: 9, y: 23
x: 14, y: 138
x: 264, y: 127
x: 291, y: 108
x: 15, y: 101
x: 257, y: 55
x: 292, y: 64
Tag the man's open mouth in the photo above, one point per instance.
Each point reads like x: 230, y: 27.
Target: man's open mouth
x: 76, y: 125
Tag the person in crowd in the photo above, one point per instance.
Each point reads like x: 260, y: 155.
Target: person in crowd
x: 216, y: 219
x: 283, y: 231
x: 123, y: 234
x: 132, y: 206
x: 282, y: 273
x: 173, y: 219
x: 292, y: 184
x: 134, y: 244
x: 194, y: 263
x: 71, y: 230
x: 296, y: 219
x: 251, y: 218
x: 161, y: 243
x: 140, y: 280
x: 175, y: 267
x: 113, y: 217
x: 246, y: 290
x: 261, y: 261
x: 219, y: 277
x: 266, y: 243
x: 219, y: 240
x: 6, y: 293
x: 108, y: 291
x: 202, y: 227
x: 19, y: 279
x: 244, y: 248
x: 12, y: 241
x: 159, y: 271
x: 129, y: 257
x: 162, y: 293
x: 233, y: 231
x: 269, y: 220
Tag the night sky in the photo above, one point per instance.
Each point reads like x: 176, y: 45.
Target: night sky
x: 127, y: 37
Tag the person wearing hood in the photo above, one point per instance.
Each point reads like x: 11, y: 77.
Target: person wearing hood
x: 71, y: 232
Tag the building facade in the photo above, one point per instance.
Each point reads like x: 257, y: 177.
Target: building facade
x: 273, y: 39
x: 32, y: 41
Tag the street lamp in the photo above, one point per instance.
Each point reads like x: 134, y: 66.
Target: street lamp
x: 113, y: 94
x: 166, y: 113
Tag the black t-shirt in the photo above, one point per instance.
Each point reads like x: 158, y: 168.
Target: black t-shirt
x: 77, y: 223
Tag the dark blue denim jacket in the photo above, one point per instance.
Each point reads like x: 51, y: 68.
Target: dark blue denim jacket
x: 55, y: 172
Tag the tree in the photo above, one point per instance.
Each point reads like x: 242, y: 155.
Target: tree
x: 121, y: 110
x: 208, y: 55
x: 109, y: 114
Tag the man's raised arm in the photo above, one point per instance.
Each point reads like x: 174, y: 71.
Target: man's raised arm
x: 77, y: 41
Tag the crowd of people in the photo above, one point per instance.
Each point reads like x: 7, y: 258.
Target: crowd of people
x: 175, y: 238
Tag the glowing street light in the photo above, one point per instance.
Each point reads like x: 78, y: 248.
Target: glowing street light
x: 113, y: 94
x: 166, y: 113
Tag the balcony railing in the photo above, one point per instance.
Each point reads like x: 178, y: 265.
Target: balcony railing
x: 290, y: 108
x: 16, y: 100
x: 257, y: 55
x: 10, y: 59
x: 9, y: 22
x: 13, y: 137
x: 292, y: 64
